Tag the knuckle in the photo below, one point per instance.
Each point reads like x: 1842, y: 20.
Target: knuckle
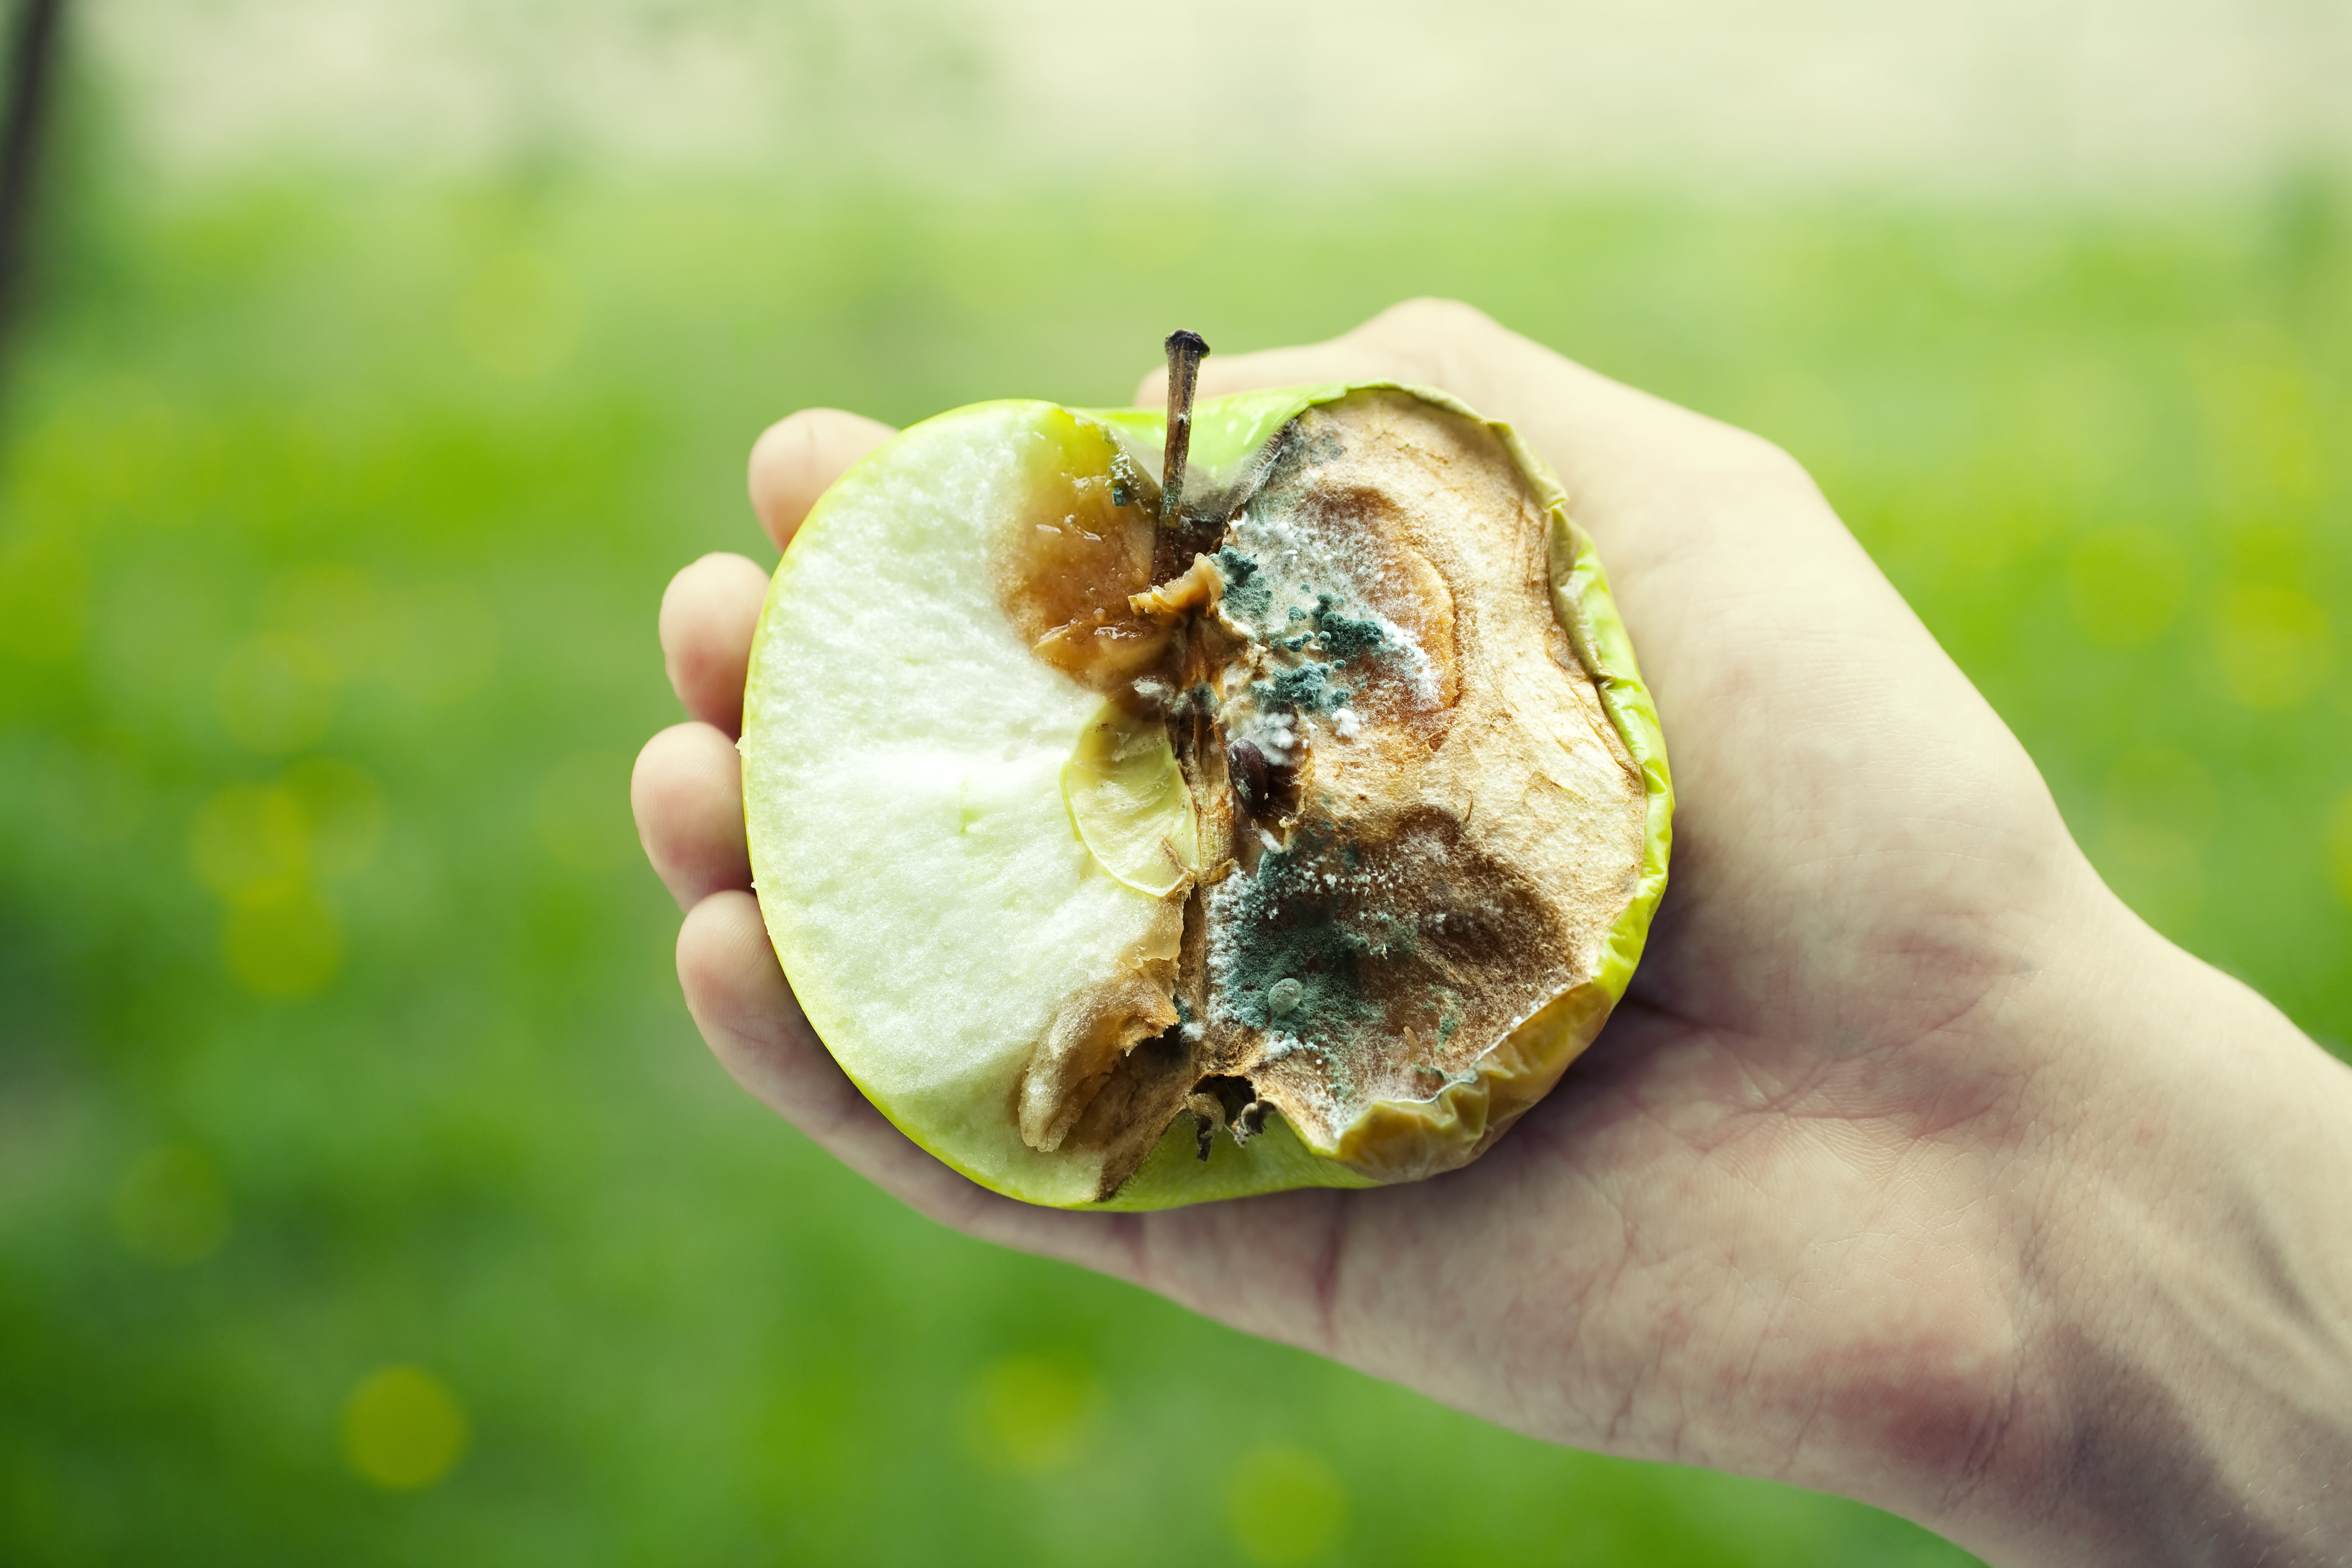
x: 1766, y: 459
x: 1436, y: 313
x: 1429, y: 340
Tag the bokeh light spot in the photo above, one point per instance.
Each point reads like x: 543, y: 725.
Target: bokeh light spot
x: 402, y: 1428
x: 2127, y: 585
x: 324, y: 818
x: 1031, y: 1414
x: 282, y: 942
x: 1284, y: 1506
x: 251, y: 840
x: 171, y: 1208
x: 276, y: 693
x: 2274, y: 645
x: 343, y: 811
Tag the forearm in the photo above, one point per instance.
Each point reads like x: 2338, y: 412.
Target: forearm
x: 2186, y: 1395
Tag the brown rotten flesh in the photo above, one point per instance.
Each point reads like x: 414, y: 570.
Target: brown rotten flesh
x: 1413, y: 822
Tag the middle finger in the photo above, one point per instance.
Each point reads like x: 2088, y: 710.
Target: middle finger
x: 688, y: 793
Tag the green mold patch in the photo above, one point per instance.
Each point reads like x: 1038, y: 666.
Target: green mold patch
x: 1293, y: 943
x: 1248, y: 596
x: 1305, y: 687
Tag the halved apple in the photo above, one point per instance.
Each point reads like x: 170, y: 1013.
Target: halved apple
x: 1300, y: 838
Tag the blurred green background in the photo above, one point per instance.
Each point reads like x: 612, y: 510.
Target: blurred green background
x: 365, y: 1196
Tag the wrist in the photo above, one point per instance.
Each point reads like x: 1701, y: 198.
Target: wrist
x: 2184, y: 1385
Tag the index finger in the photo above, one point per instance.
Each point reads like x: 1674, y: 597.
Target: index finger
x: 797, y: 458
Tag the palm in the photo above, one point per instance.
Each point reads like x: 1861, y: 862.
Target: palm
x: 1741, y: 1232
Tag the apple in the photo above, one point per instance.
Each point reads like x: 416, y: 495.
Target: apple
x: 1292, y: 823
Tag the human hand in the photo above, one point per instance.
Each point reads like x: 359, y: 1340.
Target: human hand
x: 1862, y: 1187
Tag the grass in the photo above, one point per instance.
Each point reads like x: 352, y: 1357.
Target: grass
x: 340, y: 1031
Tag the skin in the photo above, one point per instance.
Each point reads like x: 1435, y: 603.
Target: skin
x: 1914, y: 1167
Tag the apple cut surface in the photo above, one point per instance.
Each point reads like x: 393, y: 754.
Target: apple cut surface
x: 1301, y: 838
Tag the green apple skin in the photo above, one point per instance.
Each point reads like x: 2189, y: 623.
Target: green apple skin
x: 1391, y: 1140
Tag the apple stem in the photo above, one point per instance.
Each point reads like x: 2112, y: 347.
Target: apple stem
x: 1185, y: 352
